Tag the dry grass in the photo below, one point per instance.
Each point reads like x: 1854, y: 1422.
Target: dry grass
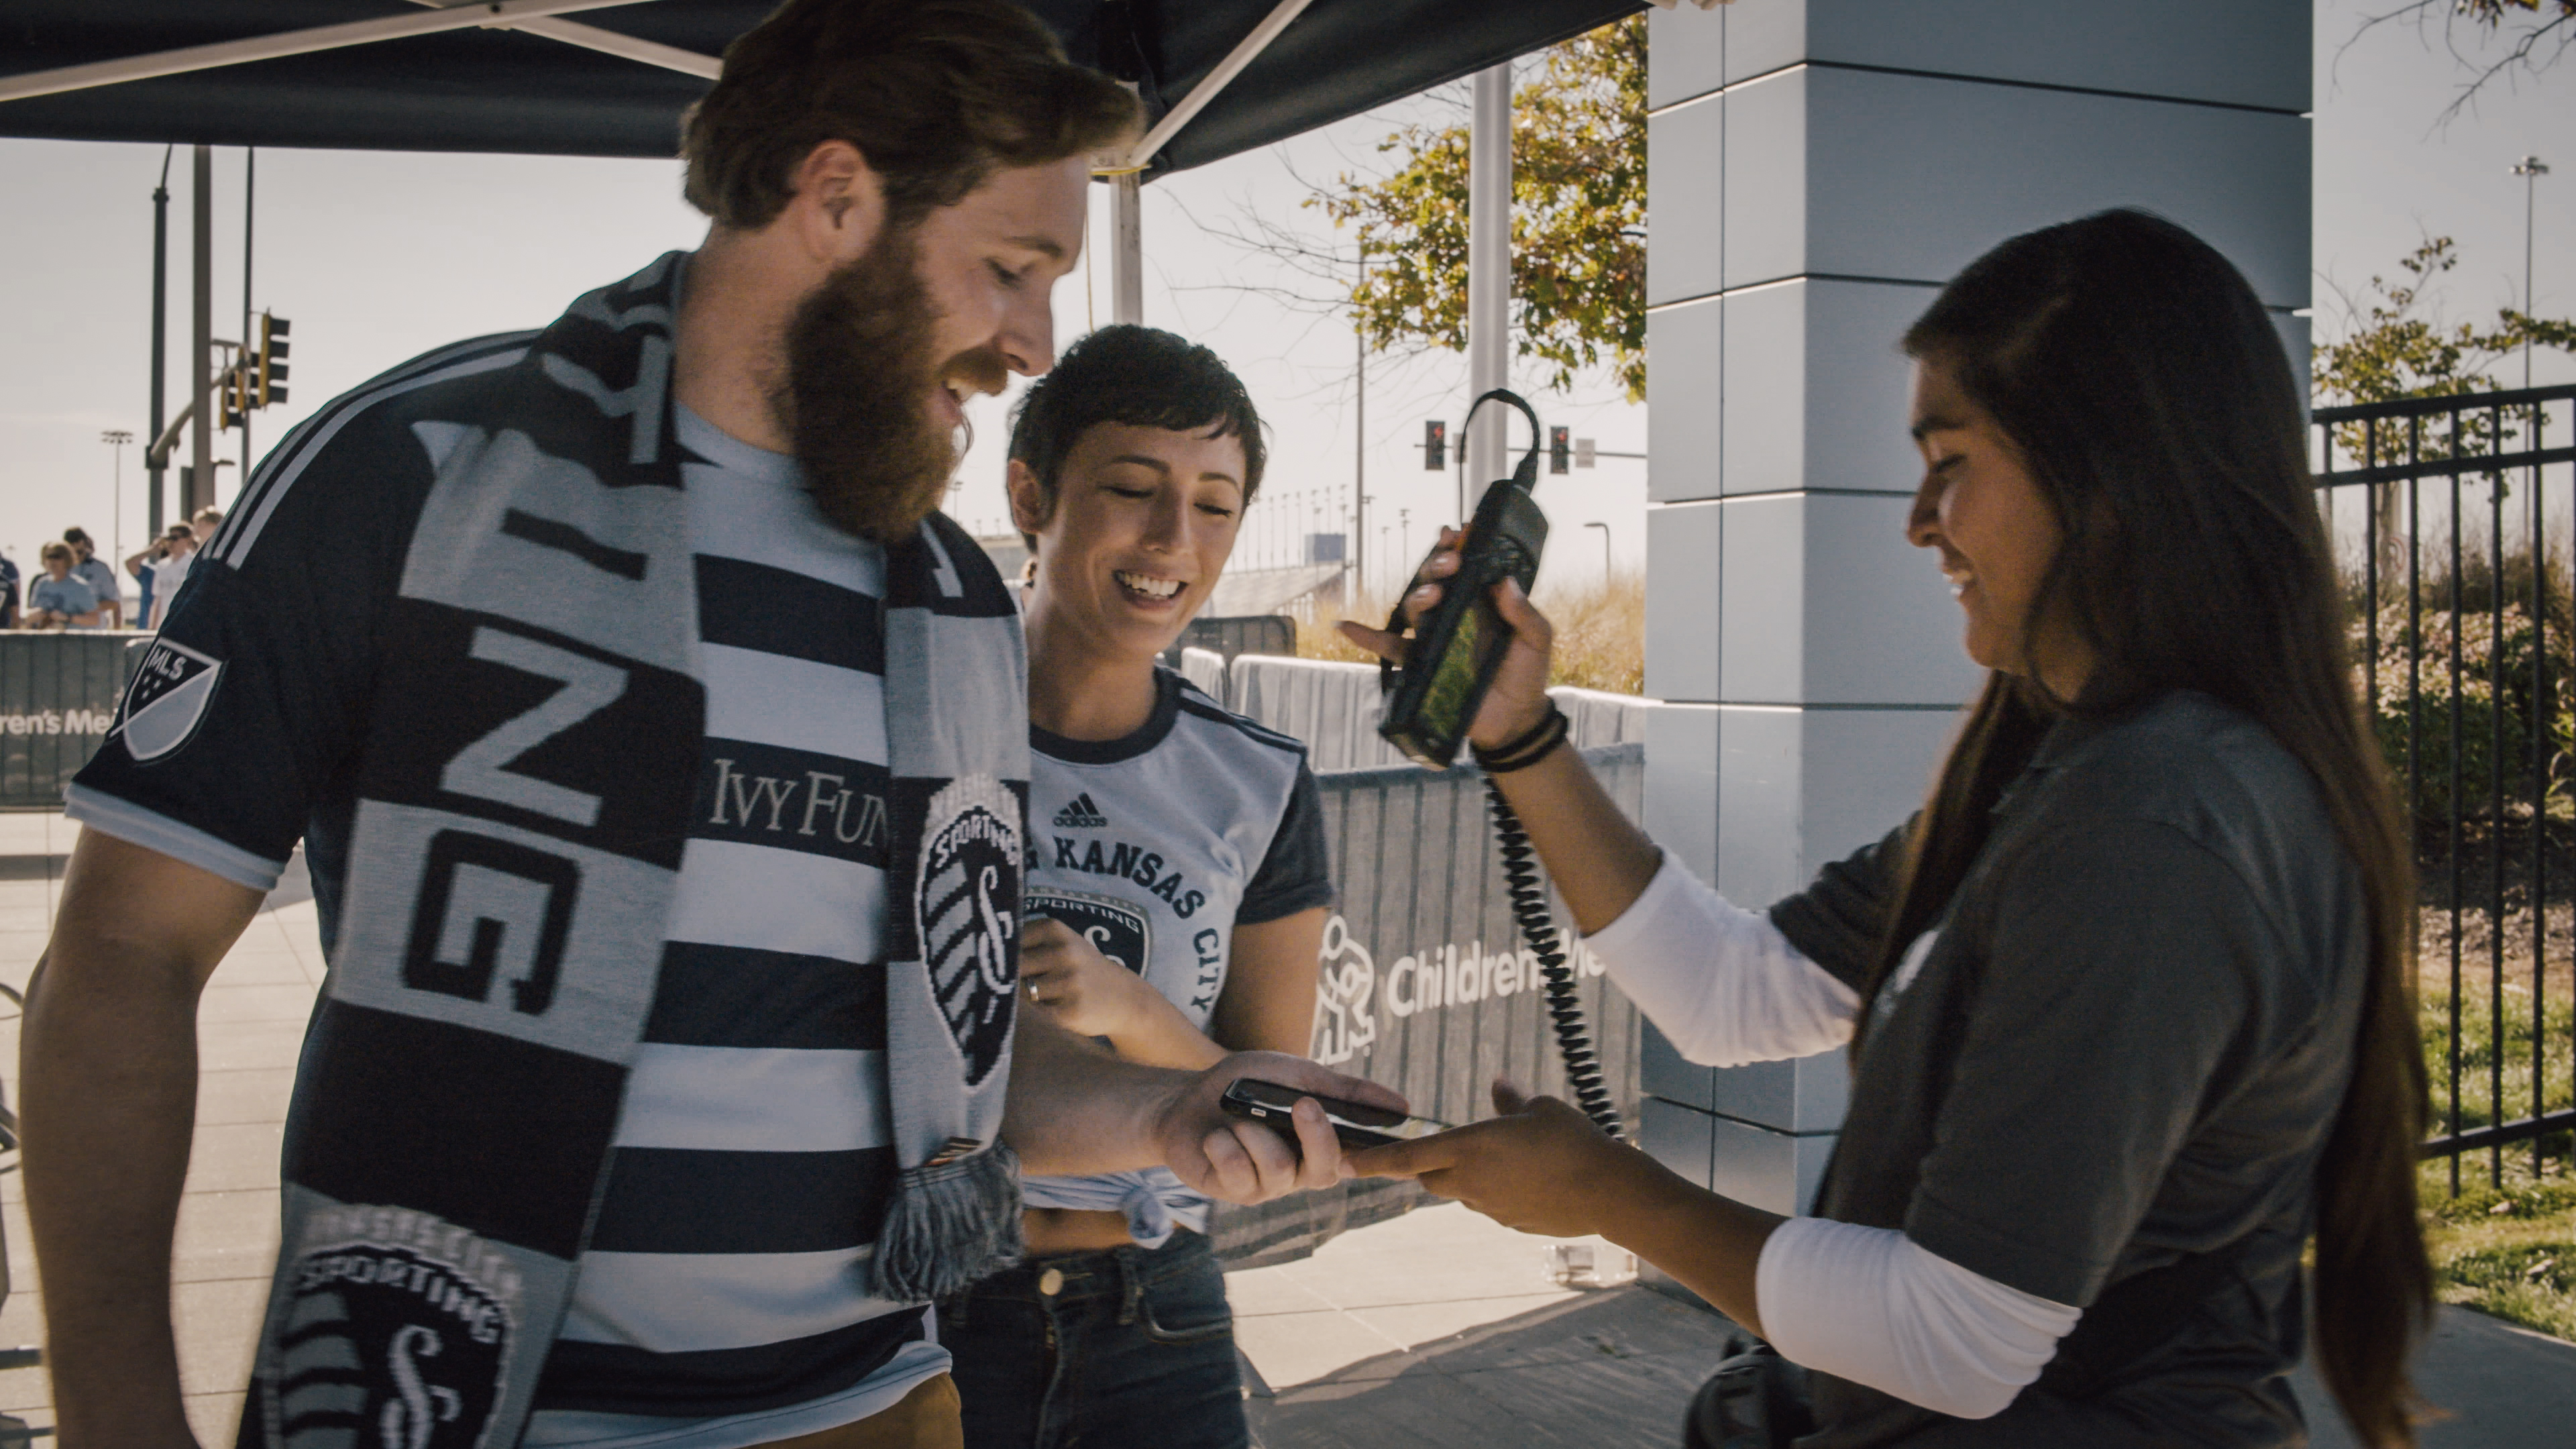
x: 1600, y: 634
x: 2510, y: 1252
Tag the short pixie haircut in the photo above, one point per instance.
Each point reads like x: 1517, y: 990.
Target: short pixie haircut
x: 1143, y: 377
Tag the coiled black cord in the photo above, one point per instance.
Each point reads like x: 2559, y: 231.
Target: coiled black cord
x: 1538, y: 928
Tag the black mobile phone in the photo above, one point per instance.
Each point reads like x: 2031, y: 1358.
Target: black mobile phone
x: 1357, y: 1124
x: 1455, y: 649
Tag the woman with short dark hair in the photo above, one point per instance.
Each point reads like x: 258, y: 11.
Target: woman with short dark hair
x: 1178, y: 889
x: 2128, y: 1000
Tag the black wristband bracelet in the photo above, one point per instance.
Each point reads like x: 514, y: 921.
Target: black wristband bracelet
x: 1534, y: 745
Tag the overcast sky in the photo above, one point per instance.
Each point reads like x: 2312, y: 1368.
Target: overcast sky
x: 378, y: 256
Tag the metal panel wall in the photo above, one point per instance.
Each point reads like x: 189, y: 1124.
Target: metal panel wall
x: 1820, y: 168
x: 1425, y: 985
x: 58, y: 695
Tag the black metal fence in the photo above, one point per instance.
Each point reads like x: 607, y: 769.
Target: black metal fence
x: 2452, y: 517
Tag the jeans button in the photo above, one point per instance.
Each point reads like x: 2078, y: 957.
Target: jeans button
x: 1051, y: 1282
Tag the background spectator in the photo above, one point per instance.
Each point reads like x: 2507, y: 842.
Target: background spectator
x: 93, y: 571
x: 153, y: 567
x: 8, y: 592
x: 61, y: 599
x: 165, y: 584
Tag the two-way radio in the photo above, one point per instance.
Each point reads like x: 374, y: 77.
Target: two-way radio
x: 1450, y: 661
x: 1449, y: 664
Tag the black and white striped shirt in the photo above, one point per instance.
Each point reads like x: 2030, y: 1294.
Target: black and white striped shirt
x: 725, y: 1279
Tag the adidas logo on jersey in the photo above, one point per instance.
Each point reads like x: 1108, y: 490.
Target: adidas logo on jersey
x: 1080, y: 815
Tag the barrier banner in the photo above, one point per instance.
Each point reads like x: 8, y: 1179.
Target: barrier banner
x: 58, y: 696
x: 1425, y: 984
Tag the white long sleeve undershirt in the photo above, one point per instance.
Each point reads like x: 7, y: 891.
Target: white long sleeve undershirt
x: 1872, y: 1306
x: 1864, y: 1304
x: 1721, y: 982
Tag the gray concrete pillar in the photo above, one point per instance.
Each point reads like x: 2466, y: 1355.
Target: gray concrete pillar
x: 1818, y: 169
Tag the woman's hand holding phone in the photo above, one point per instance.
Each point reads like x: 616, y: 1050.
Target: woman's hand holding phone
x: 1517, y: 701
x: 1540, y: 1167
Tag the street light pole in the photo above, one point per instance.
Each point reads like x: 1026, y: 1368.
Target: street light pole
x: 1605, y: 551
x: 2530, y: 169
x: 117, y: 438
x: 157, y: 463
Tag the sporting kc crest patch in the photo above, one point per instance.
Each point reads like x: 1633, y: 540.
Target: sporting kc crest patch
x: 967, y: 901
x: 1117, y: 929
x: 392, y: 1342
x: 167, y: 699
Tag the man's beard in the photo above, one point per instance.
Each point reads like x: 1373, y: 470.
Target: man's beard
x: 856, y: 398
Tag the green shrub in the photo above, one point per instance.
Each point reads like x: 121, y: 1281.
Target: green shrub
x: 2484, y: 702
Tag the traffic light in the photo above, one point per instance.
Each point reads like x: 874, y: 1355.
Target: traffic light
x: 1560, y: 449
x: 1435, y: 446
x: 232, y: 397
x: 272, y: 360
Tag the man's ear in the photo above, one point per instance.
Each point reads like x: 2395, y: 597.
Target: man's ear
x: 839, y: 202
x: 1031, y: 509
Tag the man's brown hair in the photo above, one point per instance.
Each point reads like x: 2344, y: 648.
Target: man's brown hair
x: 936, y: 94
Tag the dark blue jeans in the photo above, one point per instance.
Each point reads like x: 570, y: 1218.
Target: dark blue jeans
x: 1134, y: 1348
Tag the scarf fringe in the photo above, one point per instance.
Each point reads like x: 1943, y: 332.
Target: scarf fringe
x: 951, y: 1225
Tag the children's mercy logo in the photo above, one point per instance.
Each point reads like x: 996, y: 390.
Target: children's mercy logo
x: 167, y: 700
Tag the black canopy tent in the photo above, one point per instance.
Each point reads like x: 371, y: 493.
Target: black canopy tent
x: 526, y: 90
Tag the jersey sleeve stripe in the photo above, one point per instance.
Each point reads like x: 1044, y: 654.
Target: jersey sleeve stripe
x: 154, y: 831
x: 251, y: 515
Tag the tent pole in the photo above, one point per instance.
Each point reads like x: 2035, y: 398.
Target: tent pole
x: 1126, y: 248
x: 495, y: 15
x: 1489, y: 274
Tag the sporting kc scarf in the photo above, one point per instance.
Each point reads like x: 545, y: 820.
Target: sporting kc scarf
x: 525, y: 775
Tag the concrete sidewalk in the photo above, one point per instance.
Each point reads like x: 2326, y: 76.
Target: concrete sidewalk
x: 1437, y: 1328
x: 250, y: 1025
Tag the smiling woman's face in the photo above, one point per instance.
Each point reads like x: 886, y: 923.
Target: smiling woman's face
x: 1983, y: 512
x: 1141, y: 525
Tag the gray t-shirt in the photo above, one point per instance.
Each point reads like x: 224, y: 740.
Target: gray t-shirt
x: 2125, y: 1046
x: 101, y: 580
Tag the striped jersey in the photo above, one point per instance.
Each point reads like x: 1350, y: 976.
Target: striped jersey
x: 727, y: 1268
x: 722, y: 1297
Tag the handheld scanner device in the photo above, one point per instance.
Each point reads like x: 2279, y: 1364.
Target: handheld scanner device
x: 1450, y: 661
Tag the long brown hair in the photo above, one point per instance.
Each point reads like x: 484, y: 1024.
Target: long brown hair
x: 2150, y: 397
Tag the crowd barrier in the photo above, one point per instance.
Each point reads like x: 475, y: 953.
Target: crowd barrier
x: 58, y: 694
x: 1228, y: 637
x: 1425, y: 985
x: 1335, y: 709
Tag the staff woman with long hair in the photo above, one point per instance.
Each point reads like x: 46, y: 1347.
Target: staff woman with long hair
x: 2128, y: 1000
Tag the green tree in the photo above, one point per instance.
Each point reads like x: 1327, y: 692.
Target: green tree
x: 1578, y: 219
x: 2396, y: 349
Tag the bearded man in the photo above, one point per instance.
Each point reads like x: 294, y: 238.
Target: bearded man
x: 660, y: 758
